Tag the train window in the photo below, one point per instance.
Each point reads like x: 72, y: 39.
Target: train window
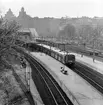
x: 62, y: 59
x: 51, y: 53
x: 56, y: 56
x: 96, y: 53
x: 59, y: 58
x: 91, y: 53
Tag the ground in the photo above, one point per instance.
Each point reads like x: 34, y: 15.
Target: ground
x: 74, y: 86
x: 10, y: 91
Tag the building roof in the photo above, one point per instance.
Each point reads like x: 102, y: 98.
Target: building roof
x: 32, y: 31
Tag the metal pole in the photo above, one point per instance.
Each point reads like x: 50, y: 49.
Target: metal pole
x: 93, y: 50
x: 29, y: 78
x: 50, y: 45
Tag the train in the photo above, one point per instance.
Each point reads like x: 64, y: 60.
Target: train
x: 67, y: 59
x: 63, y: 57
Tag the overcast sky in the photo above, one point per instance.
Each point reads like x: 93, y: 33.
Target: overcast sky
x: 54, y: 8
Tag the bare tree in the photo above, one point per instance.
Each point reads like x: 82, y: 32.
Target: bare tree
x: 84, y: 33
x: 8, y: 36
x: 97, y: 30
x: 68, y: 31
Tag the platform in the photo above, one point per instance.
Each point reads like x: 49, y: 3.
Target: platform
x: 72, y: 83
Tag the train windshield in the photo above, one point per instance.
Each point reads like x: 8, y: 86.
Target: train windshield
x: 69, y: 57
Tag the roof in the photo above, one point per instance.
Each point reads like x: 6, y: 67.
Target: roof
x: 32, y: 31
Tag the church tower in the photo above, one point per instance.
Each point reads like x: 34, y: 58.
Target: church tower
x: 22, y: 13
x: 9, y: 15
x: 25, y: 20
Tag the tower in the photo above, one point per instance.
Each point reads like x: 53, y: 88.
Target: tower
x: 9, y: 15
x: 22, y: 13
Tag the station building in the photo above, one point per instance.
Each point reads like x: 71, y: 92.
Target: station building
x: 27, y: 34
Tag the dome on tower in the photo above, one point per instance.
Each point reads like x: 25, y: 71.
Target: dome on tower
x: 22, y: 13
x: 22, y: 9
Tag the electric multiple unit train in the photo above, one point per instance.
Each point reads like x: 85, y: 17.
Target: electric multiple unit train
x: 67, y: 59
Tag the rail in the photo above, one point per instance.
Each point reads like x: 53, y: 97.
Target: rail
x: 65, y: 89
x: 56, y: 93
x: 93, y: 77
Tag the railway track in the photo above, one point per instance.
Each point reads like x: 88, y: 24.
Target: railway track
x: 50, y: 92
x: 90, y: 75
x: 93, y: 77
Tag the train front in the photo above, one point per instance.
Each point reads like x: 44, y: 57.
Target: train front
x: 70, y: 60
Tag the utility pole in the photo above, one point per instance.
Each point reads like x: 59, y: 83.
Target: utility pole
x: 64, y: 51
x: 29, y: 77
x: 94, y: 49
x: 41, y: 45
x: 50, y: 45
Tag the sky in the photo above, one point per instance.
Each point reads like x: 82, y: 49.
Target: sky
x: 54, y: 8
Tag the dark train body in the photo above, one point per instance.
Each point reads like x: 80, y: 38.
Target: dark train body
x: 67, y: 59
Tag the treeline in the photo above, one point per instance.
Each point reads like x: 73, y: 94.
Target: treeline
x: 8, y: 40
x: 89, y: 33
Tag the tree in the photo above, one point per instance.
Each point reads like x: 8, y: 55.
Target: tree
x: 97, y: 30
x: 68, y: 31
x: 8, y: 36
x: 84, y: 33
